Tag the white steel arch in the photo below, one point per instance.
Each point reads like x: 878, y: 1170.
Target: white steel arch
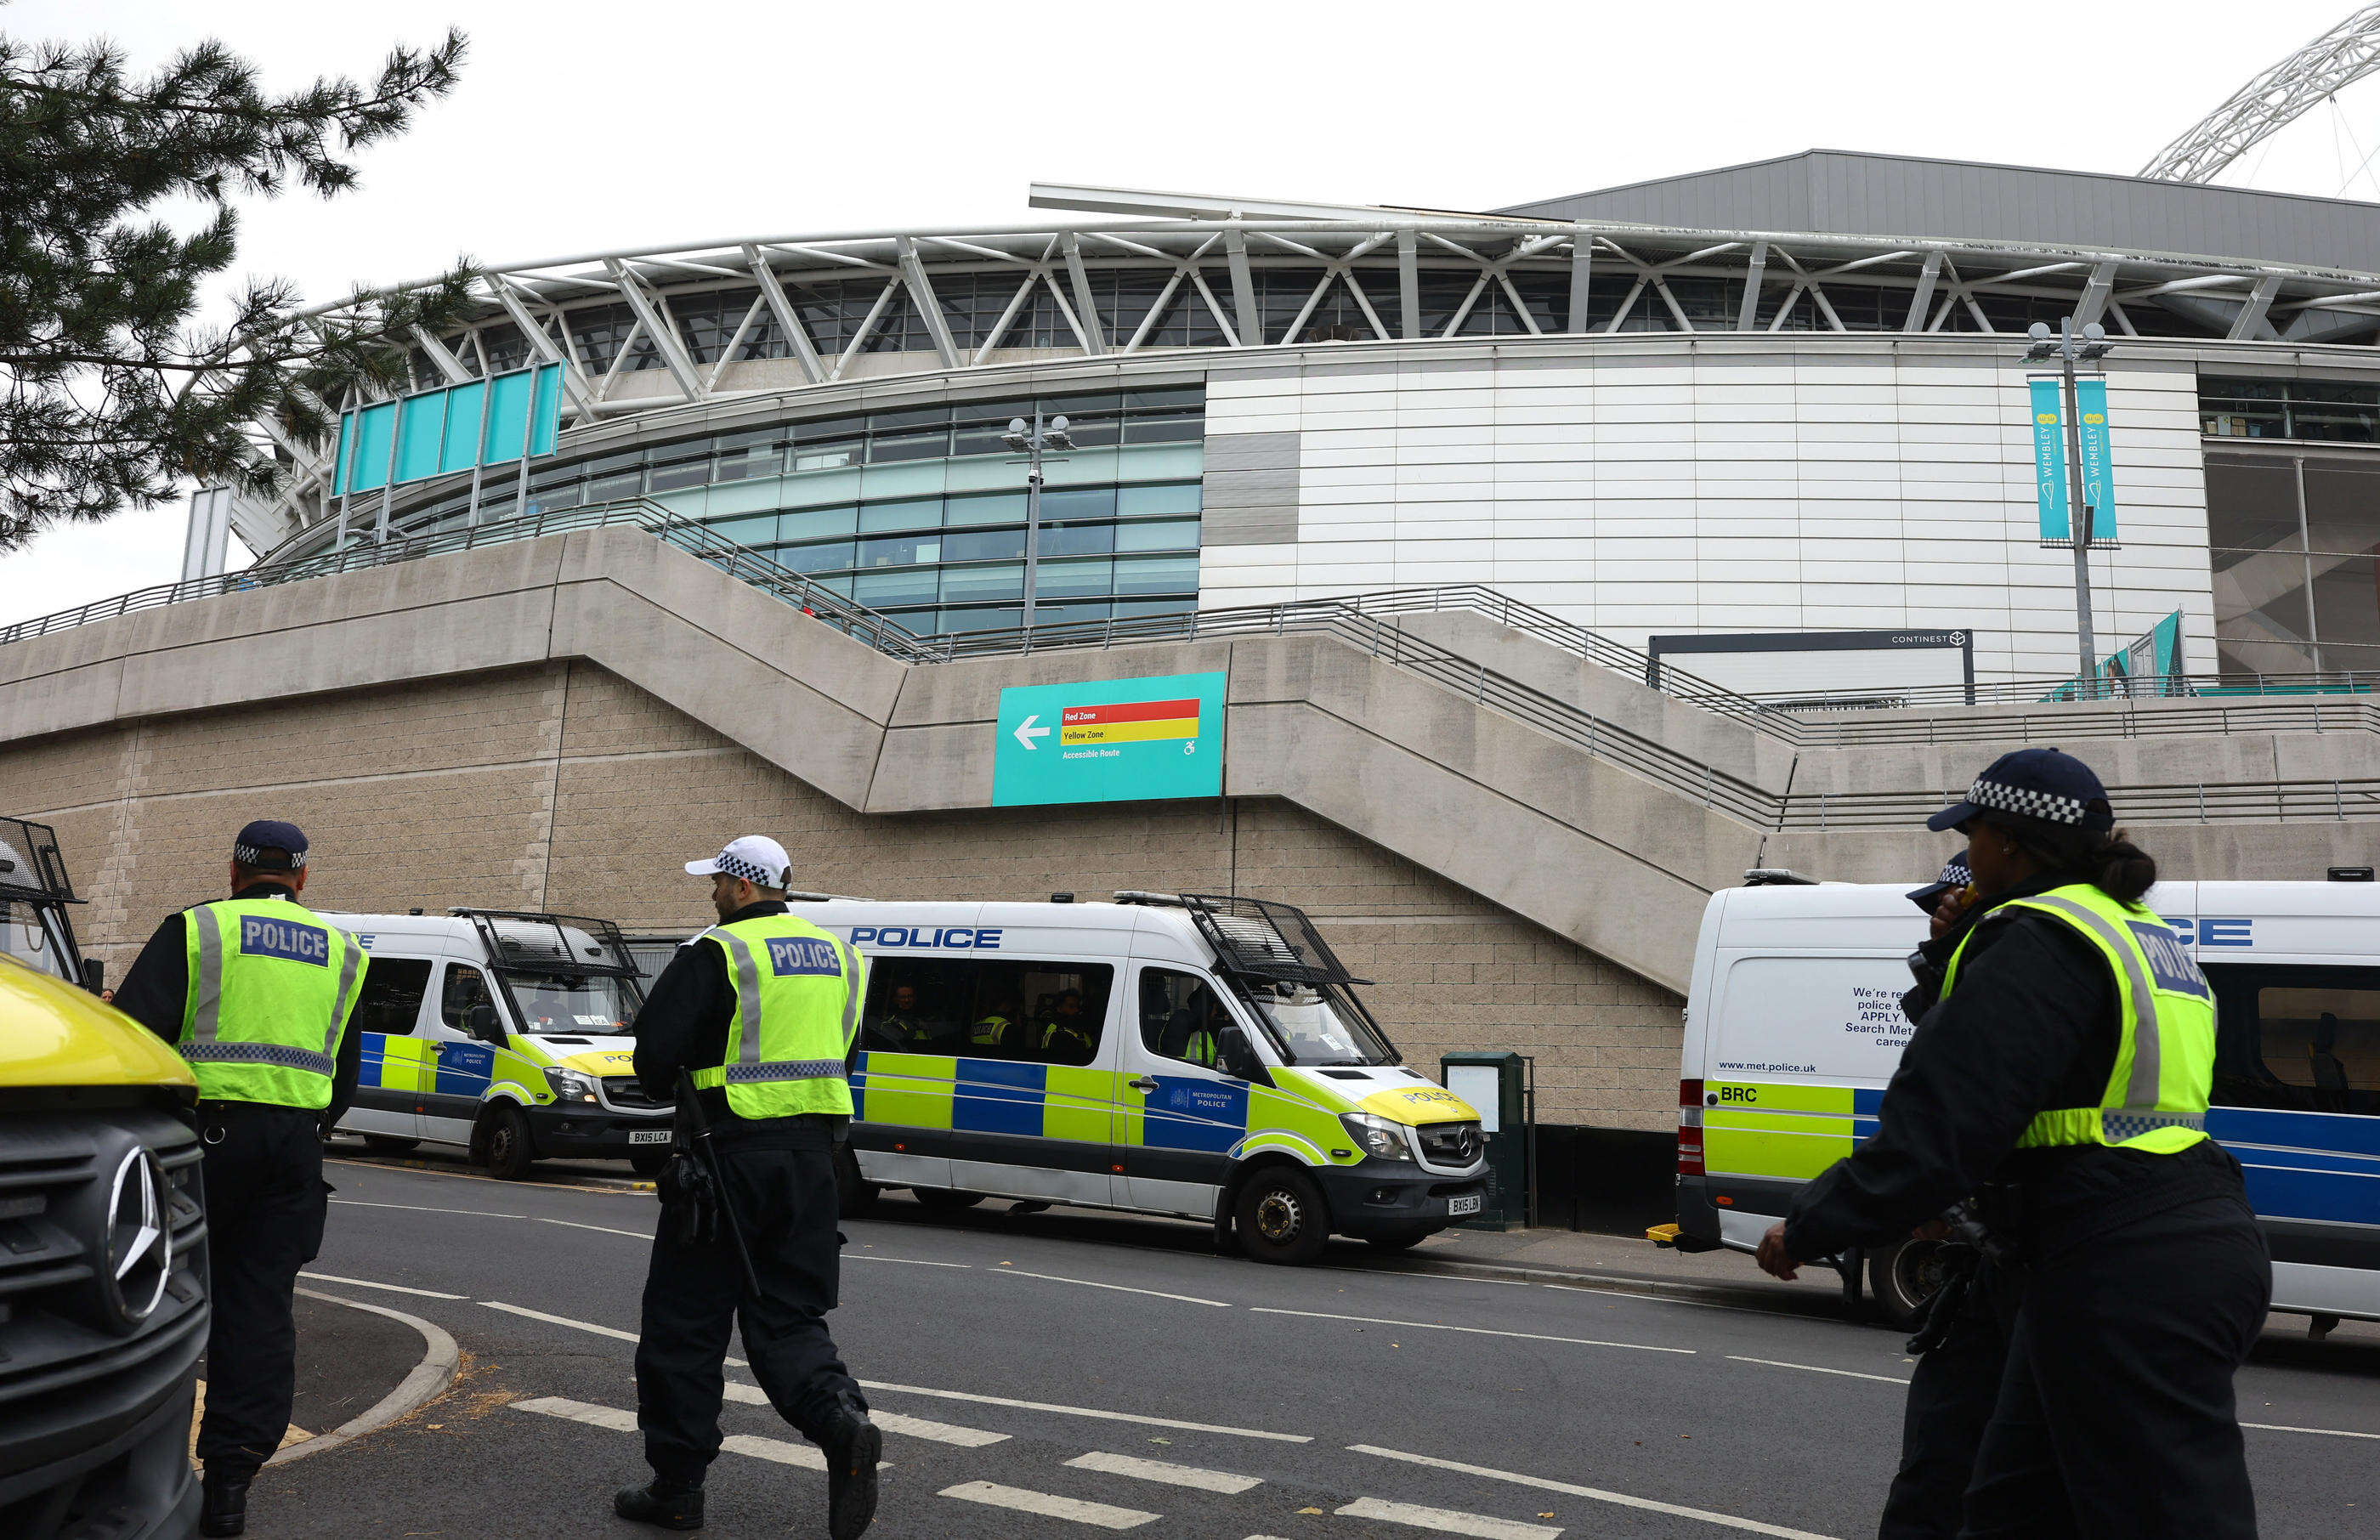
x: 2273, y: 100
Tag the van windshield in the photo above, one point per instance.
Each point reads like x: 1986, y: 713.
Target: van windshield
x: 573, y: 1004
x: 28, y: 935
x: 1316, y: 1024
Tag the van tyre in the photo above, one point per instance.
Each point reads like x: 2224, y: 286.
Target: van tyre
x: 1281, y: 1217
x: 389, y: 1144
x: 1903, y: 1278
x: 944, y: 1199
x: 510, y: 1148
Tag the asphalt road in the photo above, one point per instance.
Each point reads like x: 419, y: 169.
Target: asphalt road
x: 1070, y: 1359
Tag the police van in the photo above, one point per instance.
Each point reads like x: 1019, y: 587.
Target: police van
x: 504, y: 1032
x: 1201, y: 1057
x: 1793, y: 1025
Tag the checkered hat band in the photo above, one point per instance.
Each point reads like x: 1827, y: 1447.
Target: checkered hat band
x: 249, y: 855
x: 2025, y: 803
x: 759, y: 876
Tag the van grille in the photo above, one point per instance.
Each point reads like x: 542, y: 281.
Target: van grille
x: 1450, y: 1146
x: 626, y: 1092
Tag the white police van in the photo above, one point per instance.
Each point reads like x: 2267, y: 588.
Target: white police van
x: 504, y: 1032
x: 1793, y: 1025
x: 1204, y: 1057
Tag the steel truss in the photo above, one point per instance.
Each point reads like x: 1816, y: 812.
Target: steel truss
x: 1210, y: 265
x: 2273, y: 100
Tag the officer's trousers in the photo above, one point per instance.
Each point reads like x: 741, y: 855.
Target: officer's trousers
x: 2115, y: 1417
x: 265, y: 1207
x: 695, y: 1295
x: 1950, y: 1400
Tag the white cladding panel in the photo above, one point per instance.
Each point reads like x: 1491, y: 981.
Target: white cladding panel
x: 1651, y: 489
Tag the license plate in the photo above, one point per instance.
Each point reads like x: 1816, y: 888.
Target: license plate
x: 1457, y: 1207
x: 661, y: 1136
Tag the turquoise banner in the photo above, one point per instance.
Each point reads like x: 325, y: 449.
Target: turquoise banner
x: 2049, y: 460
x: 1110, y: 740
x: 2098, y: 470
x: 482, y: 422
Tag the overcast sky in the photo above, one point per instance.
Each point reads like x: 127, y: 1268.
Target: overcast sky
x: 597, y: 125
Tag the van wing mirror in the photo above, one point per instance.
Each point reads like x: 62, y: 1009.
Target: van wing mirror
x: 1235, y: 1058
x: 483, y: 1022
x: 94, y: 974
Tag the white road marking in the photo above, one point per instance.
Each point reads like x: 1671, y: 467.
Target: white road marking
x: 2333, y: 1432
x: 1445, y: 1520
x: 890, y: 1422
x: 1164, y: 1471
x: 1812, y: 1368
x: 392, y: 1288
x: 581, y: 1412
x: 778, y: 1450
x: 1121, y: 1289
x: 1048, y: 1505
x: 610, y: 1331
x: 425, y: 1208
x: 1725, y: 1521
x: 1087, y: 1411
x: 912, y: 1261
x: 1472, y: 1330
x: 1441, y: 1278
x: 1664, y: 1299
x: 573, y: 1224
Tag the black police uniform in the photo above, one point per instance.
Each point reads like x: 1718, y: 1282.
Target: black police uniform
x: 779, y: 1174
x: 266, y: 1205
x: 2132, y: 1286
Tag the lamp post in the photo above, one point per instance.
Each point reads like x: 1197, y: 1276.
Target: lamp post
x: 2069, y: 346
x: 1031, y: 442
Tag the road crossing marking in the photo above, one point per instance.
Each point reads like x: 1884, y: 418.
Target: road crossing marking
x: 1725, y: 1521
x: 777, y: 1451
x: 1814, y: 1369
x: 392, y: 1288
x: 1166, y: 1472
x: 610, y: 1331
x: 1087, y: 1411
x: 2333, y: 1432
x: 606, y: 1230
x: 1121, y: 1289
x: 581, y: 1412
x: 1445, y: 1520
x: 890, y: 1422
x: 1048, y: 1505
x: 1472, y: 1330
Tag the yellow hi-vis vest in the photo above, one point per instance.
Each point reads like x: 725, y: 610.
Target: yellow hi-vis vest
x: 2156, y: 1097
x: 797, y: 994
x: 271, y: 988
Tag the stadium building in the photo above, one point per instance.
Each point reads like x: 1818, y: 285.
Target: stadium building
x: 1561, y: 562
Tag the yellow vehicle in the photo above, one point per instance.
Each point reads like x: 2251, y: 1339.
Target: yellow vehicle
x: 102, y: 1236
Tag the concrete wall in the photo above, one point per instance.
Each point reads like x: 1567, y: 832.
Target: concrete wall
x: 562, y: 785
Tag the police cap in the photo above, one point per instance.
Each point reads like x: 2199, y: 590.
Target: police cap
x: 2037, y: 784
x: 269, y: 845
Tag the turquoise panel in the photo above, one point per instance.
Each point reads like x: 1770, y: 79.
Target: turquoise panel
x: 2098, y: 469
x: 422, y: 427
x: 2049, y: 459
x: 463, y: 407
x: 375, y: 430
x: 339, y: 476
x: 547, y: 414
x: 1109, y: 740
x: 508, y: 407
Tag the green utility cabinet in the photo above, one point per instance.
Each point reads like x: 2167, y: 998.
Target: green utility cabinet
x: 1504, y: 1087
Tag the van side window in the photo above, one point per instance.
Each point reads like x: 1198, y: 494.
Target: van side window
x: 390, y: 1002
x: 465, y: 987
x: 1181, y: 1016
x: 2299, y: 1039
x: 1044, y: 1012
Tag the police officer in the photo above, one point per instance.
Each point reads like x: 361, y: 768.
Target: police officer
x: 2062, y: 1078
x: 255, y: 991
x: 905, y: 1027
x: 763, y: 1009
x: 1068, y: 1036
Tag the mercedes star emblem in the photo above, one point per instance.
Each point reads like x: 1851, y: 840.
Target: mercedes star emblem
x: 140, y: 1241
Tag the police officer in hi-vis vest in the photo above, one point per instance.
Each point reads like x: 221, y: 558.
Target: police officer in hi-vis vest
x: 255, y: 991
x: 763, y: 1009
x: 2058, y: 1086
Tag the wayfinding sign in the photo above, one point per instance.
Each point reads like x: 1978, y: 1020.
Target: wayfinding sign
x: 1110, y: 740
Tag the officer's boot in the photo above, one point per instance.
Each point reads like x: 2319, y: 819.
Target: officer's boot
x: 665, y: 1503
x: 853, y: 1445
x: 223, y: 1499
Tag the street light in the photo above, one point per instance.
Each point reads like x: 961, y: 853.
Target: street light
x: 2067, y: 347
x: 1030, y: 441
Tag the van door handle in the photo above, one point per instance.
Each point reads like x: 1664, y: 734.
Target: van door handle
x: 1144, y: 1084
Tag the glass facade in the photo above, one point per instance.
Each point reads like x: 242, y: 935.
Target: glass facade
x: 2329, y: 411
x: 919, y: 512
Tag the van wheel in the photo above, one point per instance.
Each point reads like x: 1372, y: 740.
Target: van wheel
x: 649, y: 1163
x: 510, y: 1149
x: 855, y: 1194
x: 1903, y: 1278
x: 389, y: 1144
x: 1281, y: 1218
x: 944, y: 1199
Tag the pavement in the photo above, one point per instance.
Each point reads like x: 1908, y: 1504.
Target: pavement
x: 1079, y: 1373
x: 347, y: 1361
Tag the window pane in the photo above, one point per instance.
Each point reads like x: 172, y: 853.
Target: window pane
x: 1165, y: 430
x: 1078, y: 578
x: 1175, y: 498
x: 886, y: 448
x: 1158, y: 400
x: 2302, y: 1038
x: 1059, y: 614
x: 463, y: 989
x: 391, y: 1001
x: 694, y: 473
x: 826, y: 457
x: 994, y: 585
x: 991, y: 545
x: 916, y: 513
x: 759, y: 529
x: 611, y: 488
x: 912, y: 585
x: 743, y: 465
x: 809, y: 524
x: 1157, y: 574
x: 1181, y: 1016
x: 998, y: 508
x: 1074, y: 503
x: 1135, y: 608
x: 1035, y: 1012
x: 565, y: 496
x: 981, y: 620
x: 1078, y: 540
x: 986, y: 438
x: 1169, y: 534
x: 832, y: 556
x: 901, y: 551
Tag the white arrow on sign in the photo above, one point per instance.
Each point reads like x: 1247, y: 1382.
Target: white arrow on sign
x: 1026, y: 731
